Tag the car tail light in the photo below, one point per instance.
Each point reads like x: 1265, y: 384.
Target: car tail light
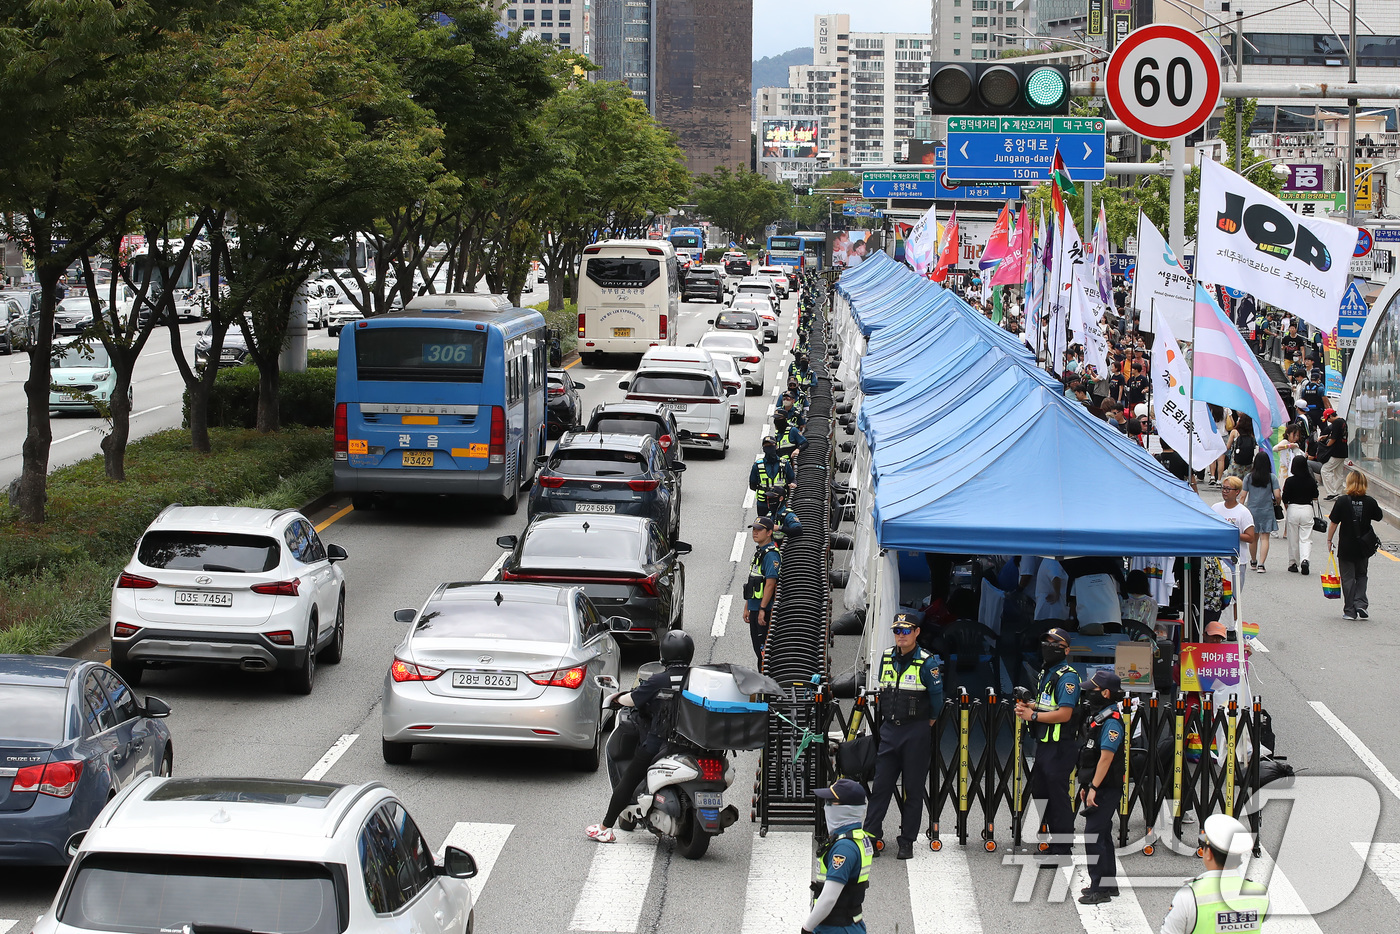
x: 753, y: 359
x: 711, y: 770
x: 342, y: 433
x: 280, y: 637
x: 592, y: 249
x: 497, y: 450
x: 643, y: 486
x: 655, y: 252
x: 125, y: 630
x: 289, y: 588
x: 550, y: 483
x: 134, y: 582
x: 665, y: 442
x: 556, y: 390
x: 58, y: 779
x: 407, y: 671
x: 562, y: 678
x: 647, y: 584
x: 582, y: 319
x: 663, y: 327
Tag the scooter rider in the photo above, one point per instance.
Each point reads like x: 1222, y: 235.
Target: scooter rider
x: 844, y: 863
x: 653, y: 700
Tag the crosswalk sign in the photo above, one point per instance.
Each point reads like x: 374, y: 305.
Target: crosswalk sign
x: 1351, y: 317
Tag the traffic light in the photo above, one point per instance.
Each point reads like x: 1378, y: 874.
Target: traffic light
x: 801, y: 191
x: 1004, y: 89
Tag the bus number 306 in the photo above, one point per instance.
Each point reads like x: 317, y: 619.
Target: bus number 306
x: 446, y: 353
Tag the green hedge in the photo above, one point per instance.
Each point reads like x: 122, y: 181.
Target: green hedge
x: 321, y: 358
x: 566, y: 320
x: 56, y: 578
x: 305, y: 399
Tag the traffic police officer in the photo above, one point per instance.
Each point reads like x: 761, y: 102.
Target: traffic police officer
x: 785, y: 521
x: 769, y: 471
x: 763, y: 580
x: 911, y: 694
x: 1052, y: 715
x: 1220, y: 899
x: 800, y: 394
x: 800, y: 371
x: 1101, y: 783
x: 843, y: 872
x: 788, y: 407
x: 790, y: 440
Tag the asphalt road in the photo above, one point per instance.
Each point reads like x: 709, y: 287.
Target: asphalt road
x: 522, y: 813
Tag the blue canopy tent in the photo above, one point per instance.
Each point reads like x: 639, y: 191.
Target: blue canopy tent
x: 876, y: 310
x: 887, y: 371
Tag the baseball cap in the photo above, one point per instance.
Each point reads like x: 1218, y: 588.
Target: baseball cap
x: 1105, y: 678
x: 1328, y: 413
x: 1057, y: 633
x: 1216, y: 628
x: 769, y: 439
x: 905, y: 619
x: 842, y: 791
x: 762, y: 522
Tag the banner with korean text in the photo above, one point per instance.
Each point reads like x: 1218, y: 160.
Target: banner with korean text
x: 1161, y: 288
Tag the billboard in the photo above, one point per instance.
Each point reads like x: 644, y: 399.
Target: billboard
x: 787, y: 139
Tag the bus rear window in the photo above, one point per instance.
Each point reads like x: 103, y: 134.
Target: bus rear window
x: 784, y: 243
x: 596, y: 463
x: 447, y: 355
x: 618, y: 272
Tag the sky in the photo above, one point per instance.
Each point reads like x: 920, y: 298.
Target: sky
x: 779, y: 25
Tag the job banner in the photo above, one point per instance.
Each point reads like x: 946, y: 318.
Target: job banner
x: 1161, y: 288
x: 1251, y: 240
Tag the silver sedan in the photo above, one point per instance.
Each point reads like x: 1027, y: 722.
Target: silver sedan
x: 502, y: 663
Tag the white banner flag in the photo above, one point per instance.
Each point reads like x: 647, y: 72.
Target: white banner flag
x: 1181, y: 423
x: 1250, y: 240
x: 1069, y: 258
x: 921, y: 246
x: 1161, y: 288
x: 1086, y: 318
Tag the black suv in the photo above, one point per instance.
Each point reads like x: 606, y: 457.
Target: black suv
x: 702, y: 282
x: 738, y: 266
x: 602, y: 474
x: 562, y: 404
x: 652, y: 419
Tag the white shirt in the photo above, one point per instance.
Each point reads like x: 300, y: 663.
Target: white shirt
x: 1096, y: 600
x: 1240, y: 518
x: 1045, y: 576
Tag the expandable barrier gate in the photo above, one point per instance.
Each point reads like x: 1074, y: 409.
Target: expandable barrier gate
x: 794, y: 762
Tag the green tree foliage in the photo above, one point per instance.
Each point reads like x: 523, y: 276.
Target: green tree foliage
x: 814, y: 210
x: 741, y: 202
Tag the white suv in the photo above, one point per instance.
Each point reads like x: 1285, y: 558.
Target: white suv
x: 250, y: 854
x: 234, y: 586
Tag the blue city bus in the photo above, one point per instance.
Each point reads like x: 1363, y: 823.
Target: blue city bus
x: 691, y: 239
x: 813, y: 248
x: 444, y: 397
x: 784, y: 250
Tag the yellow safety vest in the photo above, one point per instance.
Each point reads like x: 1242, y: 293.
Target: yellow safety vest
x: 848, y: 905
x: 1046, y: 701
x: 1228, y: 905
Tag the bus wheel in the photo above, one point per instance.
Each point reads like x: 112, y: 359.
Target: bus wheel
x: 509, y: 505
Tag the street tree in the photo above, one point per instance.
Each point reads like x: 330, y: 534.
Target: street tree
x: 741, y: 202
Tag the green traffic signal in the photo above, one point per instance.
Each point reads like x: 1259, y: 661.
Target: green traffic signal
x: 1047, y: 90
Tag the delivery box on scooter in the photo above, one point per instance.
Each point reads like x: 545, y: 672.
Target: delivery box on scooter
x: 714, y: 714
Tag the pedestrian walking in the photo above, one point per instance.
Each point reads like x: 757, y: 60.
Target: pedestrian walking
x: 1101, y: 783
x: 1261, y: 494
x: 764, y: 568
x: 843, y: 873
x: 911, y: 694
x: 1349, y: 533
x: 1334, y: 449
x: 1231, y: 511
x: 1220, y: 898
x: 1299, y: 504
x: 1052, y: 716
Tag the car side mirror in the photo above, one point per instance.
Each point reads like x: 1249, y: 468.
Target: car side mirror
x: 578, y: 385
x: 678, y: 467
x: 710, y: 321
x: 731, y: 390
x: 156, y: 708
x: 507, y: 541
x: 683, y: 434
x: 458, y: 864
x: 542, y: 460
x: 762, y: 348
x: 690, y: 345
x: 405, y: 615
x: 619, y: 624
x: 74, y: 842
x: 336, y: 553
x: 681, y: 548
x: 623, y: 383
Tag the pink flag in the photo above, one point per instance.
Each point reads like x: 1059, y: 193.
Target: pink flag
x: 1012, y: 269
x: 998, y: 245
x: 1226, y: 372
x: 947, y: 250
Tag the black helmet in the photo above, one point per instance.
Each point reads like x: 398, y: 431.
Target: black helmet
x: 677, y: 648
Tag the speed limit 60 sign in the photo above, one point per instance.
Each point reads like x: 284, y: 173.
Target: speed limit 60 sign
x: 1163, y: 81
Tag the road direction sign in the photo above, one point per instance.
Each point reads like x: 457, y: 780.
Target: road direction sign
x: 930, y: 184
x: 1387, y: 234
x: 1163, y: 82
x: 1351, y: 317
x: 1364, y: 242
x: 1021, y: 149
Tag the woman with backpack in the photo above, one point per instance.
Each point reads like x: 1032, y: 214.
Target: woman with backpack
x: 1349, y: 533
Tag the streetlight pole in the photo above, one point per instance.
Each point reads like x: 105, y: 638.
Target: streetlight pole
x: 1351, y: 124
x: 1239, y: 76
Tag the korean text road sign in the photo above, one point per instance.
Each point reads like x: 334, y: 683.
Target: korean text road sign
x: 1021, y: 149
x: 1163, y: 82
x: 1351, y: 317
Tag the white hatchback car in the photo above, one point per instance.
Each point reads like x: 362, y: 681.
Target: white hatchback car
x: 230, y: 585
x: 251, y: 854
x: 746, y: 351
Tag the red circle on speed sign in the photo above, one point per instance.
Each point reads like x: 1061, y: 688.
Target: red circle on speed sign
x: 1163, y: 82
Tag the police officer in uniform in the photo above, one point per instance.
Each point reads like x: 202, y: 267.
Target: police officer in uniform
x: 1220, y: 899
x: 911, y: 694
x: 843, y: 872
x: 1101, y: 783
x: 764, y: 567
x: 788, y: 407
x: 769, y: 471
x: 1052, y: 719
x: 785, y: 521
x: 790, y: 440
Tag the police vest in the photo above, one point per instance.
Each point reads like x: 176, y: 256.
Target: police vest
x: 786, y: 443
x: 777, y: 478
x: 1046, y: 702
x: 754, y: 591
x: 781, y: 516
x: 1089, y: 755
x: 903, y: 697
x: 1229, y: 905
x: 847, y: 909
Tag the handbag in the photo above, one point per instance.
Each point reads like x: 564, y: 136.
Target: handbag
x: 1331, y: 583
x: 1278, y: 511
x: 1319, y: 523
x: 855, y: 758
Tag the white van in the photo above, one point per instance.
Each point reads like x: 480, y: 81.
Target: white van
x: 629, y: 298
x: 686, y: 382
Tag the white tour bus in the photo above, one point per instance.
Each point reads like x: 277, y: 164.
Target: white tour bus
x: 629, y: 298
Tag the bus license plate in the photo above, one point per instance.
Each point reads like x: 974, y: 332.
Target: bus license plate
x: 203, y: 598
x: 418, y: 458
x: 483, y: 679
x: 594, y: 507
x: 622, y: 332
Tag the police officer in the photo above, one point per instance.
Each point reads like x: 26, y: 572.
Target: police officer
x: 798, y: 393
x: 762, y: 582
x: 1220, y: 899
x: 1052, y: 716
x: 653, y: 702
x: 790, y: 440
x: 801, y: 371
x: 1101, y: 783
x: 911, y: 694
x: 785, y: 521
x: 844, y: 861
x: 769, y: 471
x: 788, y: 406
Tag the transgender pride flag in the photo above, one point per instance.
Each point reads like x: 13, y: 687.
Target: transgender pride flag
x: 1226, y: 373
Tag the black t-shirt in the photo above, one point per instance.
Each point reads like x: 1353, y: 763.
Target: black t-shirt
x: 1354, y: 515
x: 655, y: 720
x: 1299, y: 490
x: 1291, y: 346
x: 1337, y: 437
x: 1138, y: 385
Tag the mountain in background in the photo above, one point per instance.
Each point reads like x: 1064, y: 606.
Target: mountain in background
x: 772, y: 71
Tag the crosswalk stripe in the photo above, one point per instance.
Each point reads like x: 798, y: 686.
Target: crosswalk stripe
x: 1383, y: 860
x: 940, y: 891
x: 1287, y: 913
x: 616, y: 887
x: 749, y: 496
x: 484, y: 842
x: 1120, y: 915
x: 777, y: 895
x: 6, y: 924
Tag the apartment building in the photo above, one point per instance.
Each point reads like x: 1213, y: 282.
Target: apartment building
x: 561, y: 22
x: 975, y: 30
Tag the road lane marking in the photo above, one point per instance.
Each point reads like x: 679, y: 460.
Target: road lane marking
x: 1120, y: 915
x: 596, y: 377
x: 1363, y: 752
x: 1383, y: 860
x: 576, y: 361
x: 750, y: 495
x: 168, y: 372
x: 1388, y: 555
x: 726, y: 603
x: 335, y: 518
x: 777, y: 897
x: 495, y: 568
x: 148, y: 411
x: 484, y: 842
x: 940, y: 891
x: 1287, y: 913
x: 616, y: 887
x: 331, y: 757
x: 76, y: 434
x: 6, y: 924
x: 737, y: 551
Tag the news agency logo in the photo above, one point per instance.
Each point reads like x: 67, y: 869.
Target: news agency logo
x: 1272, y: 232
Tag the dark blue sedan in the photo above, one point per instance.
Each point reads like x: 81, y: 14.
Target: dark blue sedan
x: 609, y: 474
x: 71, y: 736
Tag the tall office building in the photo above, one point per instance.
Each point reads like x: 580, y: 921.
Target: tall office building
x: 975, y: 30
x: 624, y: 46
x: 561, y: 22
